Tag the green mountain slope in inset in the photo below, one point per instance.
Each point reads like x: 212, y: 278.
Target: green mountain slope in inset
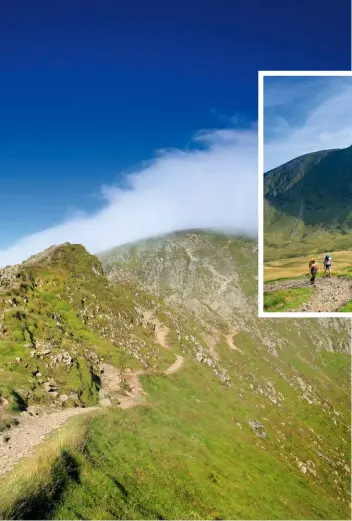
x: 308, y: 202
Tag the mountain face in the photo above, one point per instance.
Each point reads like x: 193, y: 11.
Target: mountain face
x: 243, y: 417
x: 60, y: 320
x: 212, y: 276
x: 309, y: 201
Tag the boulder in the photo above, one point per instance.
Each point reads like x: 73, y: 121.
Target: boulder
x: 45, y: 352
x: 50, y: 386
x: 257, y: 428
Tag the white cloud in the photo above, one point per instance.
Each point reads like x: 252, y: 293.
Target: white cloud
x: 308, y: 121
x: 211, y: 185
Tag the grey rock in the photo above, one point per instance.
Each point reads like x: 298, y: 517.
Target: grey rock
x: 50, y: 386
x: 257, y: 428
x: 45, y: 352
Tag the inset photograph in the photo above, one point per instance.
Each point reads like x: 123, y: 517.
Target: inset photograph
x: 306, y: 190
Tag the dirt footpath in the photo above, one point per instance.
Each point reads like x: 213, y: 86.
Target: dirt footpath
x: 34, y: 426
x: 37, y: 423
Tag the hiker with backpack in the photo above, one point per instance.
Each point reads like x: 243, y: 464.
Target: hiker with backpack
x: 327, y: 265
x: 313, y: 269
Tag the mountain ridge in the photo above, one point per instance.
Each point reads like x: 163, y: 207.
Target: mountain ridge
x: 308, y: 202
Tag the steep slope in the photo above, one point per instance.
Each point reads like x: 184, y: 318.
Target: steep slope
x: 308, y: 202
x: 254, y: 425
x: 216, y: 271
x: 60, y: 322
x: 286, y: 363
x: 211, y: 276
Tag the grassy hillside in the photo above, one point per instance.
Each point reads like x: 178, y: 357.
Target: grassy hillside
x: 256, y: 425
x: 298, y: 266
x: 308, y: 205
x: 59, y: 321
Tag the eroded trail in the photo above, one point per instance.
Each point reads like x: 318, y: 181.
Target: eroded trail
x: 173, y: 368
x: 329, y: 295
x: 35, y: 425
x: 232, y: 345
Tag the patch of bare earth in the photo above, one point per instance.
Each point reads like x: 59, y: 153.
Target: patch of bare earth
x: 232, y: 345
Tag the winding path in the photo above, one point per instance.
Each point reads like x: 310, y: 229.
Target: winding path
x: 230, y: 342
x: 37, y: 423
x: 329, y: 295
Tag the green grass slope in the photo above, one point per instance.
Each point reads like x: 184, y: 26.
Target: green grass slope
x: 285, y: 300
x: 256, y: 425
x: 181, y: 460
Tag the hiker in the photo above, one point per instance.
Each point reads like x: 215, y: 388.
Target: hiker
x: 327, y: 265
x: 313, y: 269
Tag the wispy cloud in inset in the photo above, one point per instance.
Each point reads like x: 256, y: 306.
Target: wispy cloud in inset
x: 303, y: 115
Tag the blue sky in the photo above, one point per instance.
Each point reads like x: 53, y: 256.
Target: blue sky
x: 92, y: 90
x: 305, y: 114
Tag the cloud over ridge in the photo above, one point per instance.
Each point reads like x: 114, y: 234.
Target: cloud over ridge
x: 210, y: 185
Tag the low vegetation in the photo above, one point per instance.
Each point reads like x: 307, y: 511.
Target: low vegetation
x: 347, y: 307
x: 113, y: 466
x: 255, y: 425
x: 32, y: 491
x: 285, y: 300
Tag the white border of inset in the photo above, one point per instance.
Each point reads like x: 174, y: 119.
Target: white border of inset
x: 261, y: 312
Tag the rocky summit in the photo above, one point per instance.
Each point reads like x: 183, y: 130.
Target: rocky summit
x: 140, y: 384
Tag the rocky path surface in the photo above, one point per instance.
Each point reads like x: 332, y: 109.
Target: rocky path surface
x: 36, y: 423
x: 329, y: 295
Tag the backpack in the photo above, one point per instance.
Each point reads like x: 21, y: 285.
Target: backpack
x: 327, y: 260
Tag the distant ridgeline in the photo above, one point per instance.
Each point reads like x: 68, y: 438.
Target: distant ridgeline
x: 308, y: 204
